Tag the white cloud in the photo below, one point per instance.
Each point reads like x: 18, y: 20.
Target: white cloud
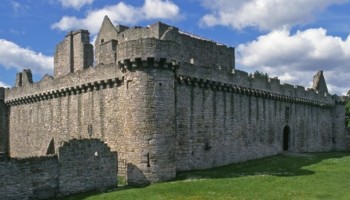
x: 121, y: 13
x: 295, y: 58
x: 263, y: 14
x: 157, y: 9
x: 15, y: 6
x: 4, y: 85
x: 14, y: 56
x: 18, y: 7
x: 76, y: 4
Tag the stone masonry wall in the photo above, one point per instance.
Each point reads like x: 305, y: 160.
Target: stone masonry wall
x: 82, y: 165
x: 223, y: 118
x: 340, y: 131
x: 74, y: 53
x: 206, y: 54
x: 166, y: 100
x: 60, y: 112
x: 121, y: 113
x: 86, y: 165
x: 216, y: 127
x: 161, y: 41
x: 149, y: 126
x: 29, y: 178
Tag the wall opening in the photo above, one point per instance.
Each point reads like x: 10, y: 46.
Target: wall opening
x: 286, y: 138
x: 51, y: 148
x: 90, y: 130
x: 148, y: 162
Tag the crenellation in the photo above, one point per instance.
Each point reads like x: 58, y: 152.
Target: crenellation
x: 121, y: 28
x: 259, y: 82
x: 241, y: 78
x: 288, y: 89
x: 163, y: 100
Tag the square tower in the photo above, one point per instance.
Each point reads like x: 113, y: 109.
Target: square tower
x: 74, y: 53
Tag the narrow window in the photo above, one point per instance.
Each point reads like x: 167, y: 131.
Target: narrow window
x: 148, y: 162
x: 333, y: 140
x: 90, y: 130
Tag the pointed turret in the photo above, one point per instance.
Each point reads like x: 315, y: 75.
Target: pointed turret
x: 107, y: 33
x: 319, y: 83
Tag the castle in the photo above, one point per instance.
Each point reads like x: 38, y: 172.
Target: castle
x: 165, y: 101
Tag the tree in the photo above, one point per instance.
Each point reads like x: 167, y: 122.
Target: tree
x: 260, y: 74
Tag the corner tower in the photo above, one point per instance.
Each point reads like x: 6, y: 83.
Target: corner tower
x: 74, y: 53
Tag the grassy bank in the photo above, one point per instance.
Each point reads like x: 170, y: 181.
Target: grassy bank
x: 285, y: 176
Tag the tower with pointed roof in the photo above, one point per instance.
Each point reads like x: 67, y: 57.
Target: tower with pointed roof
x: 319, y: 83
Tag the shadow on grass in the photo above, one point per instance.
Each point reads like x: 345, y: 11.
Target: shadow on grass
x: 285, y: 164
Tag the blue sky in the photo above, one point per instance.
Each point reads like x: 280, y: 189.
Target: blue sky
x: 288, y: 39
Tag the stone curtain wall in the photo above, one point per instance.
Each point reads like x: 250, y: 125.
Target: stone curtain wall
x: 340, y: 130
x: 161, y: 117
x: 86, y: 165
x: 135, y: 116
x: 58, y: 111
x: 78, y: 168
x: 218, y: 123
x: 27, y: 178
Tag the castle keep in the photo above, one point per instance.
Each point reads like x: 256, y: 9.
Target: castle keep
x: 165, y: 101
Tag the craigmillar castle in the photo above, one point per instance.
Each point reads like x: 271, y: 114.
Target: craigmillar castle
x: 164, y: 101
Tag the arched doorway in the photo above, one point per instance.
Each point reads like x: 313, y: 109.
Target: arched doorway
x: 286, y: 138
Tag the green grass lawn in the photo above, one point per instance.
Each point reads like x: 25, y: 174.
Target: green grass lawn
x: 285, y: 176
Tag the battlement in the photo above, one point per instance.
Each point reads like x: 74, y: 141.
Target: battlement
x: 261, y: 83
x: 160, y: 40
x: 101, y: 77
x: 164, y: 101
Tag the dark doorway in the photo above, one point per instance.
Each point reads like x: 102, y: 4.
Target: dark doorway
x: 286, y: 138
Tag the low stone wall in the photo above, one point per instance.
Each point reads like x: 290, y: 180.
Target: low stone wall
x: 81, y: 165
x: 91, y: 167
x: 29, y: 178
